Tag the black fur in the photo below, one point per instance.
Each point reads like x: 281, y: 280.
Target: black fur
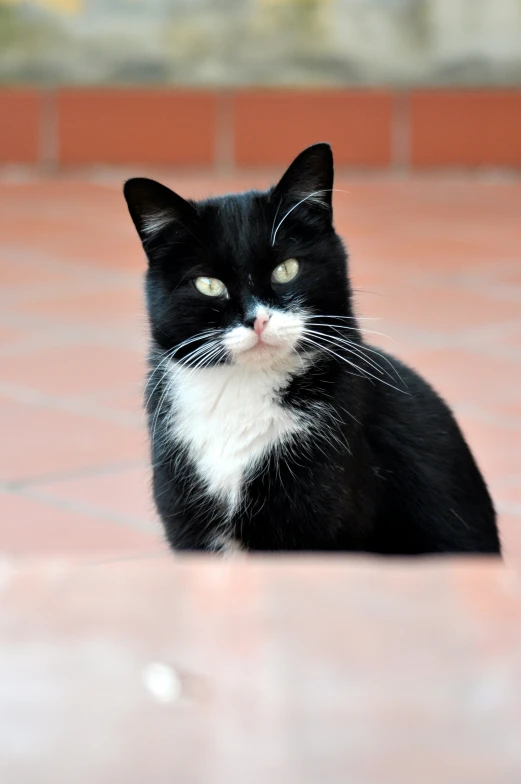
x: 397, y: 478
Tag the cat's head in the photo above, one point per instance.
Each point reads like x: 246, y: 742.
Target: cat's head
x: 254, y: 278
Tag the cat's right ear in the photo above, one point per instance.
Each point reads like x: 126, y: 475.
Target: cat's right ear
x: 154, y: 208
x: 310, y: 175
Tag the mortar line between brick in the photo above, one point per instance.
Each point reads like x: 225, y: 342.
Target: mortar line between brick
x: 48, y: 131
x: 401, y: 132
x: 224, y: 133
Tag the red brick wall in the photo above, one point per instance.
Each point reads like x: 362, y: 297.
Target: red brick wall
x: 370, y: 128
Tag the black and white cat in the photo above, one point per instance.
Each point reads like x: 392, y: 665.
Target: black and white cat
x: 273, y: 425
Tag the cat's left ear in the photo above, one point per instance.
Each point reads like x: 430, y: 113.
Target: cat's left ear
x: 154, y: 207
x: 309, y: 177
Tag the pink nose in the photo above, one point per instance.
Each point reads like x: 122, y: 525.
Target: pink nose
x: 260, y: 323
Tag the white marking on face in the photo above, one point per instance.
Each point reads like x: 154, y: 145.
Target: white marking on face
x: 276, y: 343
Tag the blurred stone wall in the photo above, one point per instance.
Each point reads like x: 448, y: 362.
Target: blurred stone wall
x: 268, y: 42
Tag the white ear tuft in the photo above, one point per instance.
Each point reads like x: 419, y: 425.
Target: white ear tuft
x: 153, y: 207
x: 156, y: 221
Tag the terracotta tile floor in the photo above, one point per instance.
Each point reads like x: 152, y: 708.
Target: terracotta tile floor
x: 438, y: 261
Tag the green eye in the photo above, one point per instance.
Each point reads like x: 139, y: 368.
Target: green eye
x: 212, y: 287
x: 285, y: 271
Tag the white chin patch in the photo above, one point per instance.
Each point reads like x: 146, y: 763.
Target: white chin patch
x: 277, y: 342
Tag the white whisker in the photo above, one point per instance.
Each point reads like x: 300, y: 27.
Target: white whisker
x: 204, y: 360
x: 373, y: 350
x: 359, y: 349
x: 353, y: 329
x: 170, y: 353
x: 306, y: 198
x: 353, y: 348
x: 366, y: 373
x: 306, y: 339
x: 274, y: 219
x: 156, y: 221
x: 200, y: 353
x: 348, y: 318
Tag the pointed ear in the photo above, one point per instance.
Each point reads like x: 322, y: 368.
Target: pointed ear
x: 154, y: 207
x: 310, y: 173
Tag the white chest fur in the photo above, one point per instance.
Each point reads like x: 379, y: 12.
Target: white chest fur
x: 229, y: 418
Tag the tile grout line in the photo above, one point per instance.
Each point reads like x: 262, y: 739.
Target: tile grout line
x: 30, y: 396
x: 81, y: 473
x: 91, y: 510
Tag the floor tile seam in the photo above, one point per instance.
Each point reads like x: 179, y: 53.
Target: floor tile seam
x: 92, y: 472
x: 500, y: 292
x: 461, y: 270
x: 30, y: 396
x: 13, y: 295
x: 490, y: 331
x: 508, y: 508
x: 57, y: 339
x: 72, y: 268
x: 509, y: 481
x: 111, y: 334
x: 98, y: 512
x: 480, y: 413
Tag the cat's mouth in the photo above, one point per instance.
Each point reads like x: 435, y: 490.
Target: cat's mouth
x: 275, y: 342
x: 252, y: 349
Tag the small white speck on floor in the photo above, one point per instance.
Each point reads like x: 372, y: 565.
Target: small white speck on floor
x: 162, y: 682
